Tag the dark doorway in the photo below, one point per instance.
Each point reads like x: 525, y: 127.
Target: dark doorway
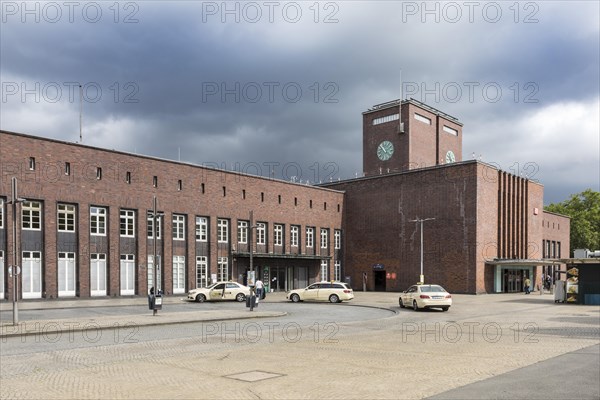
x: 379, y: 280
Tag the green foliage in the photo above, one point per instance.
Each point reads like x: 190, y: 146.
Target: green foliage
x: 584, y: 210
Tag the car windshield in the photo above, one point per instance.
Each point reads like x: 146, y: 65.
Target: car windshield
x: 432, y: 288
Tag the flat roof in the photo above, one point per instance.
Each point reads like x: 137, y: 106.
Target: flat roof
x: 397, y: 102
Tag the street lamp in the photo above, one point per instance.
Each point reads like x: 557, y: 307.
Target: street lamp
x: 15, y: 269
x: 420, y: 221
x: 250, y: 251
x: 155, y: 217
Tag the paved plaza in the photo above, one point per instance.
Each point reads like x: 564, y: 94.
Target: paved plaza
x: 489, y: 346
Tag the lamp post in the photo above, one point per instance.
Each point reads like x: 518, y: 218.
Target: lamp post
x: 155, y: 217
x: 15, y: 269
x: 250, y: 251
x: 420, y: 221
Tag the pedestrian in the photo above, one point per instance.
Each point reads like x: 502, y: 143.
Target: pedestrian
x: 527, y: 285
x: 260, y: 287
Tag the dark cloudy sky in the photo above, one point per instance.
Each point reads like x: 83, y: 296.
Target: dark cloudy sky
x: 276, y: 85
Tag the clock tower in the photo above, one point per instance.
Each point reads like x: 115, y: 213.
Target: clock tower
x: 403, y: 135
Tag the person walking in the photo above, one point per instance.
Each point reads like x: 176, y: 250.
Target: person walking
x: 260, y: 287
x: 527, y: 286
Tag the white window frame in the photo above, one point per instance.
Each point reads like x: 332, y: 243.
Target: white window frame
x: 294, y: 235
x: 178, y: 274
x: 1, y: 274
x: 150, y: 273
x: 310, y: 238
x: 66, y: 274
x: 261, y: 233
x: 201, y: 271
x: 324, y: 272
x: 337, y: 239
x: 30, y: 212
x: 98, y: 215
x: 449, y: 130
x: 98, y: 274
x: 150, y: 226
x: 324, y: 238
x: 222, y: 230
x: 423, y: 119
x: 127, y: 274
x: 30, y: 270
x: 127, y: 219
x: 278, y: 235
x: 201, y: 229
x: 242, y: 230
x: 1, y: 213
x: 337, y: 271
x: 178, y: 227
x: 222, y: 269
x: 65, y: 217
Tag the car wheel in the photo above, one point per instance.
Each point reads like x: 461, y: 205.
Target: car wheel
x: 200, y: 298
x: 445, y: 308
x: 334, y: 298
x: 295, y: 298
x: 400, y: 302
x: 415, y: 306
x: 240, y: 297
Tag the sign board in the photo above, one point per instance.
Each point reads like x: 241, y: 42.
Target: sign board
x: 378, y: 267
x: 251, y: 278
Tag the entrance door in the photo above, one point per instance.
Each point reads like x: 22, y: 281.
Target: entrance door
x: 513, y: 279
x: 98, y: 274
x: 32, y: 275
x: 302, y: 277
x: 278, y: 279
x: 127, y: 274
x: 379, y: 280
x: 66, y: 274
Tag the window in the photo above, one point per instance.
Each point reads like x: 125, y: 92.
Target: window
x: 127, y: 274
x: 178, y: 274
x: 310, y: 232
x: 31, y: 275
x: 279, y: 198
x: 31, y: 218
x: 337, y: 239
x: 244, y: 194
x: 223, y: 271
x: 67, y: 168
x: 1, y: 213
x: 66, y: 218
x: 387, y: 118
x: 127, y: 223
x: 262, y: 196
x: 128, y: 177
x: 66, y: 274
x: 337, y: 271
x: 201, y: 229
x: 324, y: 238
x: 423, y: 119
x: 97, y: 221
x: 450, y: 130
x: 242, y: 232
x: 179, y: 185
x: 98, y: 173
x: 278, y: 235
x: 324, y: 273
x: 325, y: 206
x: 150, y: 226
x: 202, y: 188
x: 201, y: 271
x: 261, y: 231
x: 151, y: 283
x: 155, y: 181
x: 1, y: 274
x: 224, y: 191
x: 32, y: 163
x: 178, y: 227
x: 97, y: 274
x: 294, y: 230
x: 222, y: 230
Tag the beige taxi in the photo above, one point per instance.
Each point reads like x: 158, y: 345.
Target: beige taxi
x: 334, y: 292
x: 425, y: 296
x: 220, y: 291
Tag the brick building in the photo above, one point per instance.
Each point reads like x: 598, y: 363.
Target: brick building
x: 488, y: 230
x: 87, y: 226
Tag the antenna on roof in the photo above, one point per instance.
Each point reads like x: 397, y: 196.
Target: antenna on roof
x: 80, y: 113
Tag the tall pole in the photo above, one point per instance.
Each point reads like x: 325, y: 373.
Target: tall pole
x: 420, y: 221
x: 80, y: 113
x: 250, y: 241
x: 15, y: 269
x: 154, y: 256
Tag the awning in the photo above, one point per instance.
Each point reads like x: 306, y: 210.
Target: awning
x: 524, y: 262
x: 276, y: 255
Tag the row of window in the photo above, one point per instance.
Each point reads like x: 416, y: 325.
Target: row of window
x: 32, y: 212
x: 179, y: 184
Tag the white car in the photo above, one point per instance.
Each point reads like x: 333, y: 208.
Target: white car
x: 425, y: 296
x: 334, y: 292
x: 220, y: 291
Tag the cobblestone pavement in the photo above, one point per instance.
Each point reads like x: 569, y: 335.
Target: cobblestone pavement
x: 408, y: 355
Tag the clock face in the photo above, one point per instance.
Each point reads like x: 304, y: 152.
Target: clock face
x: 450, y: 157
x: 385, y: 150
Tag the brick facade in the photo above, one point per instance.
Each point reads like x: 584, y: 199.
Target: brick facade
x: 126, y: 182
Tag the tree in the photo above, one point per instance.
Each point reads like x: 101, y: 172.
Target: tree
x: 584, y: 210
